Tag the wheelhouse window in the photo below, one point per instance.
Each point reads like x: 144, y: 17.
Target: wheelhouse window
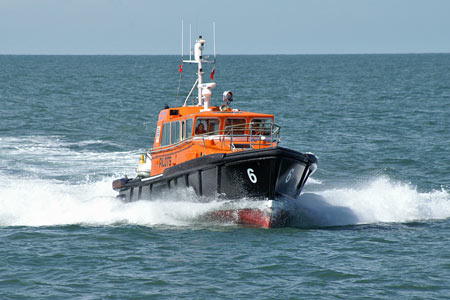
x: 260, y: 126
x: 212, y: 126
x: 235, y: 126
x: 183, y: 129
x: 206, y: 125
x: 175, y: 136
x: 189, y: 123
x: 165, y: 139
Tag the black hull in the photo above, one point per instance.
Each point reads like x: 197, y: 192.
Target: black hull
x: 257, y: 174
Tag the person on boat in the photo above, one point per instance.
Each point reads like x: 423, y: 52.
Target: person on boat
x: 256, y: 130
x: 211, y: 127
x: 227, y: 97
x: 200, y: 129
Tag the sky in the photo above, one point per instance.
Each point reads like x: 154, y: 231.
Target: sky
x: 242, y: 26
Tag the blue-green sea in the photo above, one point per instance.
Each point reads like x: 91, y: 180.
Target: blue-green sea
x: 375, y: 217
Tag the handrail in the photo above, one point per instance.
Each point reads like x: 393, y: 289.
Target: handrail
x: 256, y: 132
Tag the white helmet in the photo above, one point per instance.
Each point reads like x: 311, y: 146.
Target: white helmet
x: 227, y: 96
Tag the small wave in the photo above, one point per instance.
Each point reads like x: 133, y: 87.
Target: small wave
x: 52, y: 157
x: 312, y: 180
x: 93, y: 142
x: 44, y: 144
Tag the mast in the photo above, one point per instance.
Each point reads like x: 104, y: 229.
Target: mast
x: 203, y: 89
x: 182, y: 38
x: 214, y: 36
x: 198, y: 56
x: 190, y: 42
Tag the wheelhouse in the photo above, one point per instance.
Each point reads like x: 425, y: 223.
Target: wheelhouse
x: 186, y: 133
x: 177, y: 128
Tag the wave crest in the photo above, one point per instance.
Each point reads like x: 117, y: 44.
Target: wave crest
x: 378, y: 200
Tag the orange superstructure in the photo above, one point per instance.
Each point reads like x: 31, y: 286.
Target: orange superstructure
x: 186, y: 133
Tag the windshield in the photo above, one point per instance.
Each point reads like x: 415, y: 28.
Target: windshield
x: 261, y: 126
x: 206, y: 125
x: 236, y: 126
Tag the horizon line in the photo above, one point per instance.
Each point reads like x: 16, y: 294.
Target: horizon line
x: 234, y: 54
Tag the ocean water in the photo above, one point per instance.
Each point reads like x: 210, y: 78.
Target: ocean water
x: 373, y: 223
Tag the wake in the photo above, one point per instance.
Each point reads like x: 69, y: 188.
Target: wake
x: 44, y: 202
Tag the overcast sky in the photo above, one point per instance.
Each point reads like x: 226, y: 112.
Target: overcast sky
x: 242, y: 26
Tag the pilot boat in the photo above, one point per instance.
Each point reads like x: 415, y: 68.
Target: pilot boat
x: 222, y: 154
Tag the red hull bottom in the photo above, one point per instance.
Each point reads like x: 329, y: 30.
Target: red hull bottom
x: 252, y: 217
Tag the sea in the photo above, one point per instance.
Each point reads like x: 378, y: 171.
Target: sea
x: 375, y: 222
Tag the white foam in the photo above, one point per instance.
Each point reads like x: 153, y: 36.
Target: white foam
x: 45, y: 199
x: 53, y: 157
x: 378, y: 200
x: 36, y: 202
x: 31, y: 202
x: 44, y: 182
x: 312, y: 180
